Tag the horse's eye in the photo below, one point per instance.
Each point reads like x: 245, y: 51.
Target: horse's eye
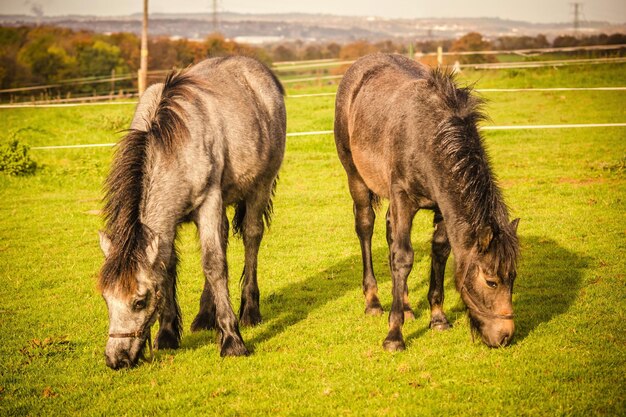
x: 139, y: 304
x: 491, y: 284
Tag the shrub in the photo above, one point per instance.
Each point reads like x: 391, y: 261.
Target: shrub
x: 14, y: 158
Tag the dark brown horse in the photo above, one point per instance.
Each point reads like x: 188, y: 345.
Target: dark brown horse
x: 208, y: 137
x: 409, y: 134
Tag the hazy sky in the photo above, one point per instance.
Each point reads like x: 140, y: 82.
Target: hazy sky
x: 528, y: 10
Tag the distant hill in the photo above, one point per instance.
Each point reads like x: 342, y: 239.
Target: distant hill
x: 259, y: 28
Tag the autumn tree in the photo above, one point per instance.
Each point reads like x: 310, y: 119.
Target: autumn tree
x: 44, y: 59
x: 356, y: 50
x: 283, y: 52
x: 331, y: 50
x: 12, y: 73
x: 99, y: 58
x: 130, y: 49
x: 312, y: 51
x: 473, y: 41
x: 509, y: 43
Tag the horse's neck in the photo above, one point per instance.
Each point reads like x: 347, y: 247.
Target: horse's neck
x: 457, y: 227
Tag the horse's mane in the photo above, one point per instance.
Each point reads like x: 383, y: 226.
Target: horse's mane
x: 462, y: 154
x: 124, y: 186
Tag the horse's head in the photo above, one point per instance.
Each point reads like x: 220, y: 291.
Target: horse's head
x: 485, y: 279
x: 131, y: 290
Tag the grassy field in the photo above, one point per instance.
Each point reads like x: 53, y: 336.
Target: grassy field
x: 316, y: 353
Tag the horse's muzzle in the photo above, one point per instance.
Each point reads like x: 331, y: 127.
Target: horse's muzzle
x: 119, y: 362
x: 498, y: 332
x: 123, y: 353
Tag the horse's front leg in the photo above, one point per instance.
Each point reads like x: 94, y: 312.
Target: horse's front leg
x: 170, y: 323
x: 211, y: 220
x: 401, y: 213
x: 439, y: 256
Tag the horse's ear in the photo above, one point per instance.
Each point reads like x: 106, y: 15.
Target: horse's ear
x: 152, y: 250
x: 485, y: 235
x: 514, y: 225
x: 105, y: 243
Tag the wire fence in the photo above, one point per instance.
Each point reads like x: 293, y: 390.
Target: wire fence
x: 320, y: 71
x: 111, y: 100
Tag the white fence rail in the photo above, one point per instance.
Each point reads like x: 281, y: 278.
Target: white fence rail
x: 330, y: 132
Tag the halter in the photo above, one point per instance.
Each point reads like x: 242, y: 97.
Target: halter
x: 138, y: 333
x: 475, y: 307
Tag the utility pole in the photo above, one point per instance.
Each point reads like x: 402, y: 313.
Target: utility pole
x: 577, y: 9
x: 215, y: 22
x: 143, y: 68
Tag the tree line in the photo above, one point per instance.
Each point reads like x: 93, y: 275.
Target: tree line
x: 36, y: 55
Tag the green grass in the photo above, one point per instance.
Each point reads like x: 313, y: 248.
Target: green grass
x: 316, y: 353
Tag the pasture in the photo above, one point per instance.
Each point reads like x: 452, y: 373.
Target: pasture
x: 316, y: 353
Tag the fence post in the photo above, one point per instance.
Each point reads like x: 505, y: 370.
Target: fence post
x: 439, y: 56
x: 112, y: 81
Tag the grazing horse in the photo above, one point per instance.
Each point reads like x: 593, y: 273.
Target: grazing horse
x: 208, y: 137
x: 409, y: 134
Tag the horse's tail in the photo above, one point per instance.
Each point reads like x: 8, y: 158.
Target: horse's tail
x: 240, y: 212
x: 375, y: 200
x: 269, y: 207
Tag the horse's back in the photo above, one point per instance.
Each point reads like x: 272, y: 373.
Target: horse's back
x: 247, y: 75
x: 375, y: 116
x: 240, y: 116
x: 226, y: 120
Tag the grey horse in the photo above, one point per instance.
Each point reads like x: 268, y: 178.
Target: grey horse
x: 208, y: 137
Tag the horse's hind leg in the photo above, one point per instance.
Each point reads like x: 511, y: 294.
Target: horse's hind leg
x: 170, y: 318
x: 408, y: 311
x: 211, y: 221
x: 401, y: 213
x: 250, y: 213
x: 364, y: 218
x: 439, y: 257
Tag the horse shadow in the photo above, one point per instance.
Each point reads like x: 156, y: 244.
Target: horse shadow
x: 289, y: 305
x: 548, y: 281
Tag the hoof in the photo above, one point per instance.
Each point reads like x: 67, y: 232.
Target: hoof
x: 373, y: 307
x: 233, y: 347
x: 166, y: 340
x: 250, y: 317
x: 394, y: 345
x: 374, y: 310
x: 409, y: 314
x: 203, y: 321
x: 440, y: 324
x: 394, y: 341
